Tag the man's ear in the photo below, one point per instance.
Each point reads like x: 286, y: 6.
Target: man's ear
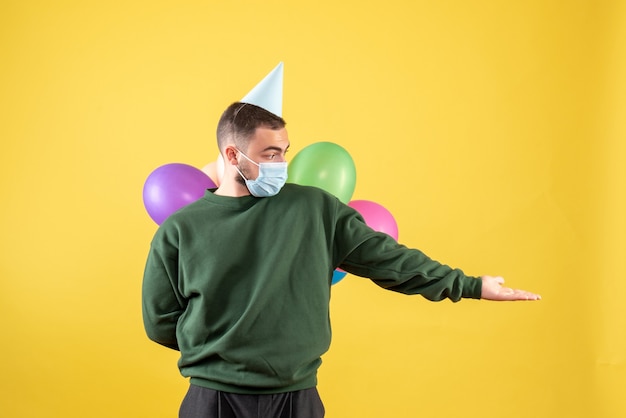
x: 230, y: 155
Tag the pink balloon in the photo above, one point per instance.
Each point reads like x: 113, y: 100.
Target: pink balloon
x: 172, y: 186
x: 376, y: 216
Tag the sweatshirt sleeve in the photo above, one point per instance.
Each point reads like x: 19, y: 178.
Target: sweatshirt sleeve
x: 368, y: 253
x: 162, y: 305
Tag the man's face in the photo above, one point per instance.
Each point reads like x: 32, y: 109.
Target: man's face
x: 265, y: 146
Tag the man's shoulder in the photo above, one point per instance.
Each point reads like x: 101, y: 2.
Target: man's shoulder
x: 309, y: 191
x: 184, y: 214
x: 311, y: 194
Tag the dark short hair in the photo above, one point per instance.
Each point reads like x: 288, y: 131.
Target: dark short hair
x: 240, y: 121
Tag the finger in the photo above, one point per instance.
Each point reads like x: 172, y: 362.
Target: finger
x: 517, y: 294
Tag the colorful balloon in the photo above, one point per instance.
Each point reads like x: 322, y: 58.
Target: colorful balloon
x: 215, y: 170
x: 220, y: 168
x: 376, y: 216
x: 325, y: 165
x: 338, y: 275
x: 211, y: 170
x: 172, y: 186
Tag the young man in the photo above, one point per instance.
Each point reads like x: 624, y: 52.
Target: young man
x: 240, y: 280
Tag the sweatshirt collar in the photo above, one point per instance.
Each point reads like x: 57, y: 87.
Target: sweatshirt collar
x: 228, y: 201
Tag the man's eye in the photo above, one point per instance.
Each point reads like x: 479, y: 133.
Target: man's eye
x: 271, y: 156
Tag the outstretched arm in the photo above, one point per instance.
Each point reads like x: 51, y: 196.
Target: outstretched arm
x: 492, y: 289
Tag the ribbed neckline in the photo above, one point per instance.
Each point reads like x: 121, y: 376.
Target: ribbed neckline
x: 229, y: 201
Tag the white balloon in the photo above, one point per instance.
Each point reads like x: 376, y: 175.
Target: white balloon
x: 211, y: 170
x: 220, y: 168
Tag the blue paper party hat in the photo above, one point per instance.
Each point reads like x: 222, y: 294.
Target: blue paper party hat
x: 268, y: 94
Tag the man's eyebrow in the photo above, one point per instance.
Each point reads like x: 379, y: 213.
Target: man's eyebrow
x: 275, y: 148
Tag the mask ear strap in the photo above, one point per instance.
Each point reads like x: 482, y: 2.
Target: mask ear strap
x: 248, y: 158
x: 241, y: 174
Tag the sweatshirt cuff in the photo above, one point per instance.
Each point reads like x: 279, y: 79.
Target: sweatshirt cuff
x: 472, y: 288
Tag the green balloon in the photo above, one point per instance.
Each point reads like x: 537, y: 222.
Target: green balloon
x: 325, y: 165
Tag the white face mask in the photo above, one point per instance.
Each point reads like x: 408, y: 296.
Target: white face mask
x: 271, y: 178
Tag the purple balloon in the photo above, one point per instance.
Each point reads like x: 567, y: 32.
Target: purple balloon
x: 376, y: 216
x: 172, y: 186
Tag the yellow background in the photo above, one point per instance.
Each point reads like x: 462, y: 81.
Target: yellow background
x: 492, y: 130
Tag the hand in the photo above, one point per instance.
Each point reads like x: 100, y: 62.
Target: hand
x: 492, y: 289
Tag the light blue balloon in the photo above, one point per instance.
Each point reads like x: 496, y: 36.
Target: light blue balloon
x: 338, y: 275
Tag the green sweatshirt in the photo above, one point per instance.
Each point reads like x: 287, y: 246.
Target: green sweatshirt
x: 241, y: 286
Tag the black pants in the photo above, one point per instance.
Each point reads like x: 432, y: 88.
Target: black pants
x: 207, y: 403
